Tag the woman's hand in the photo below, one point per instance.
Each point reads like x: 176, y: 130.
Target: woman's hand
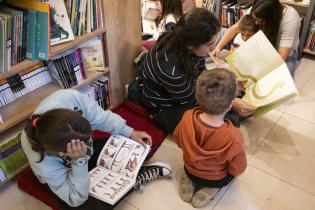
x: 243, y: 108
x: 216, y: 52
x: 75, y: 149
x: 141, y: 137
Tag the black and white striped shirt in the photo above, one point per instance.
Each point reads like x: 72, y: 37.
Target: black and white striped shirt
x: 165, y: 85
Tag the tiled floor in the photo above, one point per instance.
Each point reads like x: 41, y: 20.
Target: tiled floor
x: 281, y: 164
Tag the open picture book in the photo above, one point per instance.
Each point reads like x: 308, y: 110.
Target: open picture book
x: 149, y: 14
x: 117, y: 167
x: 269, y: 82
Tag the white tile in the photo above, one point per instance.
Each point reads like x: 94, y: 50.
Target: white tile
x: 288, y: 153
x: 12, y: 198
x: 303, y: 74
x: 256, y: 190
x: 256, y: 129
x: 163, y: 193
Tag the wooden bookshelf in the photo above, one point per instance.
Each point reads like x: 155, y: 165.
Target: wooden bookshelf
x: 56, y: 49
x: 309, y: 51
x: 14, y: 174
x: 90, y: 77
x: 20, y: 109
x: 19, y: 67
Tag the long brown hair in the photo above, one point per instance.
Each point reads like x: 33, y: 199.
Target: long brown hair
x: 173, y: 7
x: 271, y: 12
x: 194, y: 28
x: 52, y: 130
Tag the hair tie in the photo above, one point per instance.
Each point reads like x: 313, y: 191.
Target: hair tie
x: 34, y: 122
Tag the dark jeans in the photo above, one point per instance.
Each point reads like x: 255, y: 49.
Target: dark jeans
x: 93, y: 203
x: 210, y: 183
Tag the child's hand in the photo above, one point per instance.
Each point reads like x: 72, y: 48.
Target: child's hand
x: 141, y: 137
x: 75, y: 149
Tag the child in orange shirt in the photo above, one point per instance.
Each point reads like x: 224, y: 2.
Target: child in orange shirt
x: 213, y: 149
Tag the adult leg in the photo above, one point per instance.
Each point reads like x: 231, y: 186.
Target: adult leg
x: 291, y: 62
x: 168, y: 119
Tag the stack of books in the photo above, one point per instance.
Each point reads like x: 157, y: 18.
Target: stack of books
x: 19, y: 84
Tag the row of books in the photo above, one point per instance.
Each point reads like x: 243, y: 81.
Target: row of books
x: 12, y: 37
x: 231, y: 12
x: 98, y: 90
x: 310, y: 41
x: 85, y: 15
x: 21, y: 83
x: 71, y: 67
x: 12, y: 158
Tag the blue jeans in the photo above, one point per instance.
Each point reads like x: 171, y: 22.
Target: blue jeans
x: 291, y: 62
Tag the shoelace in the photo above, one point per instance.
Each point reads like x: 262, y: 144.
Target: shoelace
x: 146, y: 177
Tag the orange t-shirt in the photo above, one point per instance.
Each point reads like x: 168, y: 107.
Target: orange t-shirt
x: 210, y: 152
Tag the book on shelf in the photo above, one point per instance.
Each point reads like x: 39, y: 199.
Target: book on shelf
x: 269, y: 82
x: 92, y: 55
x: 34, y: 36
x: 85, y: 15
x: 67, y: 68
x: 98, y: 90
x: 60, y: 27
x: 12, y: 157
x: 23, y: 82
x: 117, y: 168
x: 310, y: 41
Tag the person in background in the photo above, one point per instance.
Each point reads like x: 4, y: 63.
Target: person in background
x: 58, y: 145
x: 170, y: 12
x: 279, y: 22
x: 247, y: 29
x: 213, y: 149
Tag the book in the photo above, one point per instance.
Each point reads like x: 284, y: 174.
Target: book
x: 269, y: 82
x: 60, y: 28
x: 149, y: 14
x: 117, y: 167
x: 92, y: 54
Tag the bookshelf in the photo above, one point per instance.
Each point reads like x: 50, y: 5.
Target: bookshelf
x: 307, y: 19
x: 122, y: 34
x: 123, y: 38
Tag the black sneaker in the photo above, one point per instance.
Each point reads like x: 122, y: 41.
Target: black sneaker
x: 151, y: 171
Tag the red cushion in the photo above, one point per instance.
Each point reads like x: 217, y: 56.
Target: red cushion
x: 29, y: 183
x: 138, y: 118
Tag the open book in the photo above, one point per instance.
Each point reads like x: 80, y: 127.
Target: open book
x: 269, y: 82
x: 117, y: 167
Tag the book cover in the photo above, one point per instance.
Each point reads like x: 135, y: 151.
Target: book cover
x: 60, y: 28
x: 269, y: 82
x: 92, y: 54
x: 117, y: 168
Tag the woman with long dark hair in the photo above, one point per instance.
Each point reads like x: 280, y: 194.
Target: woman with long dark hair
x: 279, y: 22
x: 172, y: 66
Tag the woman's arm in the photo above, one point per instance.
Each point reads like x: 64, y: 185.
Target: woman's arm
x: 228, y: 36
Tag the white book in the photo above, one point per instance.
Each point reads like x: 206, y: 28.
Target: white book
x: 117, y: 168
x: 269, y: 82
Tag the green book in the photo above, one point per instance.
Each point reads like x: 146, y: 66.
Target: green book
x: 30, y: 36
x: 42, y: 36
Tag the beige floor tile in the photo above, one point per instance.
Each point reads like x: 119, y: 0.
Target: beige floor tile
x: 256, y: 190
x: 12, y: 198
x: 256, y: 129
x: 163, y: 193
x: 302, y: 105
x: 288, y: 153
